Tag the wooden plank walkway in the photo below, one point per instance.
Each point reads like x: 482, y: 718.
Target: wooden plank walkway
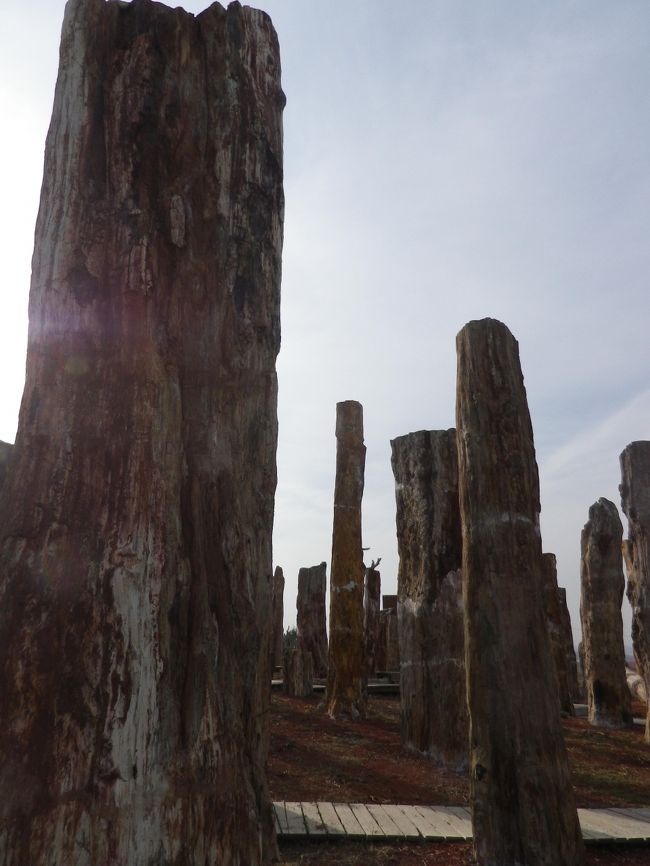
x: 391, y: 822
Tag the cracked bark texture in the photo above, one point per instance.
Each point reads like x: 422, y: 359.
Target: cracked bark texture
x: 277, y: 618
x: 310, y: 620
x: 434, y: 718
x: 371, y: 602
x: 556, y: 631
x: 602, y: 588
x: 346, y: 675
x: 635, y: 501
x: 523, y: 807
x: 569, y: 649
x: 135, y: 564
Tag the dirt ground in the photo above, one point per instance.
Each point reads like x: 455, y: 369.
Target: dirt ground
x: 313, y: 757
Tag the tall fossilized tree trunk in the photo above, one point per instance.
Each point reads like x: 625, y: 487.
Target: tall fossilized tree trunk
x: 602, y: 588
x: 556, y: 631
x: 569, y: 649
x: 135, y: 564
x: 434, y: 716
x: 523, y: 808
x: 277, y: 618
x: 310, y: 615
x: 371, y: 605
x: 635, y: 500
x: 346, y: 674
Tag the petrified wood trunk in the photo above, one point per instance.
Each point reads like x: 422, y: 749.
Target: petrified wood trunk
x: 434, y: 716
x: 602, y: 588
x: 277, y: 618
x: 311, y: 625
x: 389, y: 602
x: 135, y: 563
x: 555, y: 631
x: 523, y: 808
x: 635, y: 500
x: 569, y: 649
x: 346, y: 675
x: 390, y: 629
x: 371, y: 597
x: 6, y: 450
x: 298, y: 673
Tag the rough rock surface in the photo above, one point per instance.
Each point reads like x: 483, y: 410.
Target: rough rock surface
x: 636, y: 685
x: 635, y: 500
x: 569, y: 648
x: 6, y: 450
x: 371, y: 597
x: 523, y: 807
x: 277, y: 618
x: 346, y: 675
x: 298, y: 673
x: 389, y: 633
x: 135, y: 564
x: 310, y: 607
x: 556, y: 631
x: 602, y: 588
x: 434, y: 717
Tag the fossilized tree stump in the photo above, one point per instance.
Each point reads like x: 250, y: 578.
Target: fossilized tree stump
x: 6, y: 450
x: 556, y: 632
x: 371, y: 602
x: 569, y: 649
x: 298, y: 673
x: 434, y: 717
x: 389, y: 627
x: 602, y: 588
x: 346, y: 675
x: 523, y: 808
x: 277, y: 618
x: 136, y: 559
x: 635, y: 500
x: 310, y: 606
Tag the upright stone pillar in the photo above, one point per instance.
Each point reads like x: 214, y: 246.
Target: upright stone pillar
x: 602, y: 588
x: 136, y: 520
x: 635, y: 500
x: 555, y: 630
x: 523, y: 808
x: 569, y: 648
x: 434, y: 717
x: 277, y: 618
x: 6, y: 450
x: 346, y: 675
x: 311, y: 625
x: 371, y: 602
x: 390, y: 630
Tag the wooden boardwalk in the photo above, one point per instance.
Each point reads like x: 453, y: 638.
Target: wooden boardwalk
x: 433, y: 823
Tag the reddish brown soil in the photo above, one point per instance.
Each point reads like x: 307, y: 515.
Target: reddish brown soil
x: 313, y: 757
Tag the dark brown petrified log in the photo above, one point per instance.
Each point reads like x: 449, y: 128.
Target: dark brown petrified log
x: 135, y: 565
x: 310, y: 608
x: 298, y: 673
x: 635, y: 500
x: 6, y: 450
x: 556, y: 632
x: 523, y: 807
x: 434, y: 716
x: 602, y: 588
x: 346, y: 675
x: 277, y: 618
x: 371, y: 597
x: 569, y: 648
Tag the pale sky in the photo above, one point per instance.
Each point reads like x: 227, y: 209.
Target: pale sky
x: 445, y: 160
